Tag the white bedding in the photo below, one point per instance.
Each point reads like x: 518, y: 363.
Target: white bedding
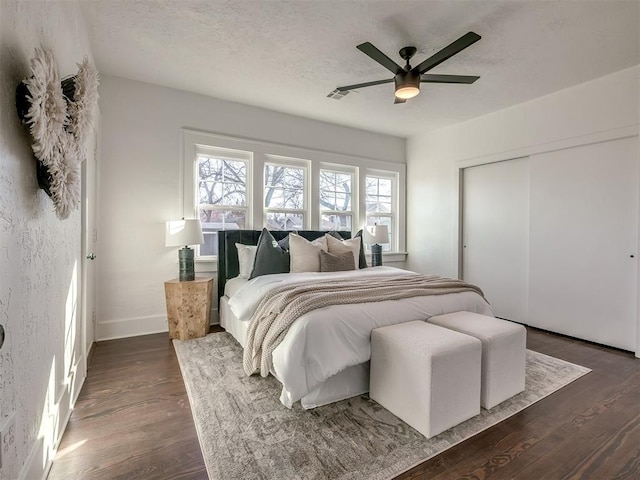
x: 330, y: 340
x: 233, y: 285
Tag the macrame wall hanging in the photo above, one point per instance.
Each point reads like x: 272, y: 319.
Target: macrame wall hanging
x: 59, y: 116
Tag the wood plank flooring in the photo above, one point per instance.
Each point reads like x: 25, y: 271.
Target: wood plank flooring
x: 133, y: 421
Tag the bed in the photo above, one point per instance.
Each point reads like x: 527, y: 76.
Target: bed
x: 324, y: 355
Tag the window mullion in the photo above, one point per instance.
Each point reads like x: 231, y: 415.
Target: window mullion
x: 313, y: 198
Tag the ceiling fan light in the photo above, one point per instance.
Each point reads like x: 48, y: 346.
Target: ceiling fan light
x: 407, y: 85
x: 407, y: 91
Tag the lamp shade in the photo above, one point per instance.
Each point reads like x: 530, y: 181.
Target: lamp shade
x: 376, y: 234
x: 183, y: 232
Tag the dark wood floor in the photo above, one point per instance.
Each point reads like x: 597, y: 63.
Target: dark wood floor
x: 133, y: 421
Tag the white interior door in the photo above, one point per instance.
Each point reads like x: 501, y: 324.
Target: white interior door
x: 495, y: 231
x: 584, y: 237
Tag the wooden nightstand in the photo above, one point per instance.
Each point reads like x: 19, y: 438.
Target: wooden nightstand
x: 189, y: 307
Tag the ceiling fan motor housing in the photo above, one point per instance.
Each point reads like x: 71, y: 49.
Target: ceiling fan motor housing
x: 408, y: 82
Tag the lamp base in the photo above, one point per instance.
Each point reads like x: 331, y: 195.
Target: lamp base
x: 185, y: 260
x: 376, y: 255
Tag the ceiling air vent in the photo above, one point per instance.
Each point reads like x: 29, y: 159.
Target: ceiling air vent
x: 337, y: 94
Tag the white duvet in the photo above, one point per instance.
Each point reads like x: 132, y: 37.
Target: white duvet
x: 326, y: 341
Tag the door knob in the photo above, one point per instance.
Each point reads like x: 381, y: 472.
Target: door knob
x: 91, y: 257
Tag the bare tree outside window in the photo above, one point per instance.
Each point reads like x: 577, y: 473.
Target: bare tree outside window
x: 284, y: 197
x: 379, y: 195
x: 222, y: 198
x: 233, y: 183
x: 336, y: 200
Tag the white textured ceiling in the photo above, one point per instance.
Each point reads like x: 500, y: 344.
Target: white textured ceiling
x: 288, y: 55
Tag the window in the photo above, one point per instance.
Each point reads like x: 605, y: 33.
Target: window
x: 336, y: 200
x: 235, y: 183
x: 222, y: 195
x: 285, y: 196
x: 380, y: 203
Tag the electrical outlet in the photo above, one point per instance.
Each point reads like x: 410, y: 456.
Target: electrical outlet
x: 7, y: 437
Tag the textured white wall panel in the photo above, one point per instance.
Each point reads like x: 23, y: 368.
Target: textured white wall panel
x: 39, y: 254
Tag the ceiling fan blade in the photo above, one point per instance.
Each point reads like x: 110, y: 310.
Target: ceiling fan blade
x: 430, y: 78
x: 367, y: 84
x: 447, y: 52
x: 400, y: 100
x: 368, y: 49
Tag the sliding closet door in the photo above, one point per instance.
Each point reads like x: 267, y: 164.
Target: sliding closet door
x: 584, y: 226
x: 495, y: 219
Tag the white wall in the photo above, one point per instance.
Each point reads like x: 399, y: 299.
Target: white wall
x: 597, y: 107
x: 39, y: 254
x: 601, y: 109
x: 140, y: 185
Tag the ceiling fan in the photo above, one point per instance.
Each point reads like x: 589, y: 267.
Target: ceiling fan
x: 408, y: 79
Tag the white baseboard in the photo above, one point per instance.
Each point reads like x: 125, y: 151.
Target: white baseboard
x: 134, y: 327
x: 39, y: 461
x: 131, y: 327
x: 33, y: 467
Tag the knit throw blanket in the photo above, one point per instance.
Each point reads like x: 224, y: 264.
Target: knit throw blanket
x: 282, y: 306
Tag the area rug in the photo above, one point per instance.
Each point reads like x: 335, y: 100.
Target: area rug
x: 246, y: 433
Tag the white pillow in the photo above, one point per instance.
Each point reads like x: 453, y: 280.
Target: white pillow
x: 337, y: 247
x: 246, y: 257
x: 305, y: 255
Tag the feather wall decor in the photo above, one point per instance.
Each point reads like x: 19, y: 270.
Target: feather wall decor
x: 60, y: 117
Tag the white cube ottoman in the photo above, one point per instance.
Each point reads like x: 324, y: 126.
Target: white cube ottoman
x: 503, y: 352
x: 426, y: 375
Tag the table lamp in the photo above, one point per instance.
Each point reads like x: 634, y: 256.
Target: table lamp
x: 375, y: 235
x: 183, y: 233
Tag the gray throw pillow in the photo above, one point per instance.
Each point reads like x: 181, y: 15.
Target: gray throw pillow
x: 284, y: 243
x: 362, y: 259
x: 330, y: 262
x: 270, y: 257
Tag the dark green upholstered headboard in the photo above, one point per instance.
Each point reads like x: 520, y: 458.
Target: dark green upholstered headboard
x: 228, y: 253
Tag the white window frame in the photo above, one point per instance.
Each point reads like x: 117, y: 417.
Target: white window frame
x: 393, y: 214
x: 234, y: 155
x: 266, y: 152
x: 346, y: 170
x: 279, y: 161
